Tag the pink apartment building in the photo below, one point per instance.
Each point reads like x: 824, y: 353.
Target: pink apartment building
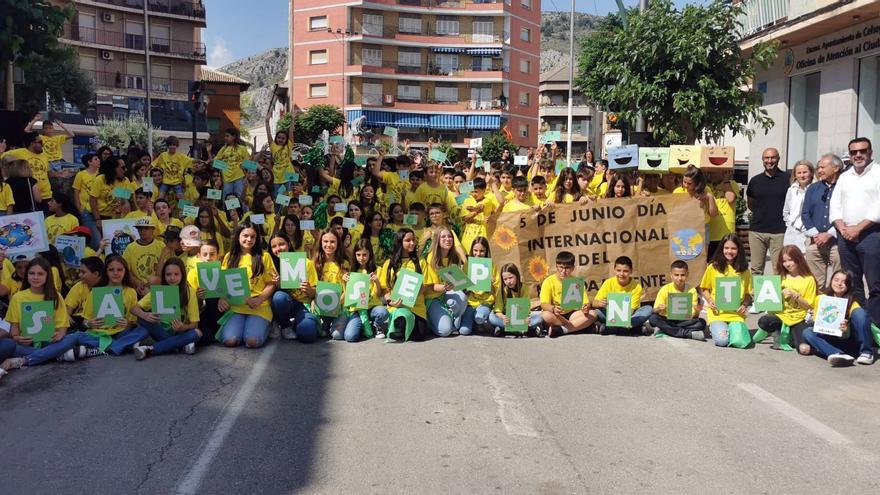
x: 448, y: 69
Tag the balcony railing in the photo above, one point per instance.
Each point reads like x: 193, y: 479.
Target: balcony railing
x: 575, y: 102
x: 758, y: 15
x: 433, y: 68
x: 426, y: 29
x: 176, y: 7
x: 376, y: 99
x: 444, y: 3
x: 182, y: 48
x: 120, y: 80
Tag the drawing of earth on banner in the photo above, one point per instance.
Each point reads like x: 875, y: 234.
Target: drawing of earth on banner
x: 16, y: 235
x: 687, y: 244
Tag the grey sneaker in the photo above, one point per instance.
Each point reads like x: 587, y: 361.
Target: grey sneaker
x: 288, y: 333
x: 865, y: 358
x: 840, y: 360
x: 698, y: 335
x: 67, y: 357
x: 648, y: 329
x: 274, y: 331
x: 12, y: 363
x: 141, y: 352
x: 87, y: 352
x: 190, y: 348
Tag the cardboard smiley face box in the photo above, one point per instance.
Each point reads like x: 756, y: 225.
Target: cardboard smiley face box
x: 681, y: 156
x: 623, y: 157
x: 654, y: 160
x: 717, y: 158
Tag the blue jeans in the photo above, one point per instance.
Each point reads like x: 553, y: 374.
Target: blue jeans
x: 7, y: 349
x: 285, y: 308
x: 236, y: 186
x: 860, y: 258
x: 480, y: 315
x: 126, y: 339
x: 251, y: 329
x: 166, y: 342
x: 720, y: 333
x: 860, y: 340
x: 88, y: 220
x: 350, y: 329
x: 444, y: 322
x: 178, y: 189
x: 52, y: 351
x: 638, y: 318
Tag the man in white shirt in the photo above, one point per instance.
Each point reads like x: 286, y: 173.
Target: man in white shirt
x: 855, y: 213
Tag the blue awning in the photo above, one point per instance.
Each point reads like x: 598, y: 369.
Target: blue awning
x: 417, y: 120
x: 484, y: 52
x: 447, y: 121
x: 483, y: 122
x: 379, y: 118
x: 447, y: 49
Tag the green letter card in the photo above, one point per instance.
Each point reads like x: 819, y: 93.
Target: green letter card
x: 38, y: 320
x: 407, y: 287
x: 572, y: 293
x: 293, y: 270
x: 166, y: 302
x: 728, y: 293
x: 768, y: 293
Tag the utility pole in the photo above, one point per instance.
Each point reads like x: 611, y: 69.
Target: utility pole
x: 641, y: 125
x: 570, y: 85
x: 149, y: 83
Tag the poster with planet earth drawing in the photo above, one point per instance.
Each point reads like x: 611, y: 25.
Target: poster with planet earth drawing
x: 22, y: 233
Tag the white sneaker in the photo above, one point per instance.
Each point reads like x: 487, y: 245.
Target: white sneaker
x: 87, y: 352
x: 380, y: 335
x: 189, y: 348
x: 67, y: 357
x: 865, y: 358
x: 141, y: 352
x: 3, y: 373
x: 840, y: 360
x: 288, y: 333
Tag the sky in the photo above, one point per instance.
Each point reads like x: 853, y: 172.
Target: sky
x: 234, y: 31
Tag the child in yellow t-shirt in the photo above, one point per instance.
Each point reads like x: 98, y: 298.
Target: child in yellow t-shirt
x: 557, y: 320
x: 689, y: 328
x: 622, y: 283
x: 729, y: 260
x: 475, y: 213
x: 798, y: 294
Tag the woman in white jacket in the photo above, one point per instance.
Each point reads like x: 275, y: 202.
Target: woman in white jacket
x: 802, y: 177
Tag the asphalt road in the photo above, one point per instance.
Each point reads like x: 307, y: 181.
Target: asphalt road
x: 578, y: 414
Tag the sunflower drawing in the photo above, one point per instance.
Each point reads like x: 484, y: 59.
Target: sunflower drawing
x: 505, y: 238
x: 538, y: 268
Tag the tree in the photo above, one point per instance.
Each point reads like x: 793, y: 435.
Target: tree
x: 310, y: 124
x: 494, y: 145
x: 57, y: 74
x: 119, y: 134
x: 683, y: 70
x: 449, y: 150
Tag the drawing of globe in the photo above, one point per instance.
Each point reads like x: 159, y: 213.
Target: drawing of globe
x: 69, y: 255
x: 687, y: 244
x: 120, y: 241
x: 15, y: 235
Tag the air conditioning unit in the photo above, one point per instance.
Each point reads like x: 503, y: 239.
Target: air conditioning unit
x: 389, y: 99
x: 109, y: 17
x: 106, y: 55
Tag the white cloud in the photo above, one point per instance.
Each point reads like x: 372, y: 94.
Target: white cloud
x: 219, y: 55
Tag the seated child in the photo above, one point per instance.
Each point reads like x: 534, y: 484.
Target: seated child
x: 557, y: 320
x: 622, y: 282
x: 691, y: 328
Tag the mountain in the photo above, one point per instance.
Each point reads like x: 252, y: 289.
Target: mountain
x: 265, y: 69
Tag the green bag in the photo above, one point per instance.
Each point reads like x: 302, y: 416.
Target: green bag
x: 409, y: 319
x: 876, y: 332
x: 785, y: 338
x: 104, y: 340
x: 738, y: 335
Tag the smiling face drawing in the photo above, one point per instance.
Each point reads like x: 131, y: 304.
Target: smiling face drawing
x: 718, y: 157
x: 623, y: 156
x: 654, y: 160
x: 681, y: 156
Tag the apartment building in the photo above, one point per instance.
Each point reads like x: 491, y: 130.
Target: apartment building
x: 110, y: 38
x: 448, y: 69
x: 586, y: 120
x: 823, y: 88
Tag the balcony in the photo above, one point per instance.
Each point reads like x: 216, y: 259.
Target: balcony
x: 433, y: 69
x: 428, y: 31
x: 440, y: 4
x: 158, y: 46
x: 417, y: 103
x: 758, y: 15
x: 182, y: 8
x: 119, y: 80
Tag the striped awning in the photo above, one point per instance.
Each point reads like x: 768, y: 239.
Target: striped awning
x: 447, y: 49
x: 484, y: 52
x: 417, y: 120
x: 483, y: 122
x: 378, y: 118
x: 447, y: 121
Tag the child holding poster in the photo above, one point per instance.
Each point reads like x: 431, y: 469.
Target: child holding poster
x: 621, y: 283
x: 183, y: 331
x: 403, y: 320
x: 107, y: 315
x: 251, y: 317
x: 329, y: 262
x: 209, y: 252
x: 512, y: 287
x: 475, y: 213
x: 558, y: 320
x: 798, y: 295
x: 28, y: 328
x: 91, y: 274
x: 729, y: 261
x: 445, y: 304
x: 480, y: 303
x: 856, y: 339
x: 291, y: 308
x: 677, y: 307
x: 376, y: 315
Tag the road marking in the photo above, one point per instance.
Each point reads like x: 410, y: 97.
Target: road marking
x: 818, y: 428
x: 510, y: 409
x: 199, y: 469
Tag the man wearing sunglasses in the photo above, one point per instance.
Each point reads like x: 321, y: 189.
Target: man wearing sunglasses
x: 855, y: 213
x: 822, y: 253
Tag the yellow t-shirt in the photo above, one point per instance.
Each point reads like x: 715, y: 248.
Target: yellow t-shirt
x: 595, y: 184
x: 6, y: 199
x: 501, y: 299
x: 663, y: 296
x: 280, y: 161
x: 514, y: 205
x: 375, y: 295
x: 129, y: 299
x: 233, y: 156
x: 551, y: 291
x: 52, y: 147
x: 189, y: 314
x: 257, y: 284
x: 792, y: 313
x: 83, y: 183
x: 476, y: 227
x: 486, y: 298
x: 725, y: 222
x: 142, y: 259
x: 161, y: 227
x: 39, y: 163
x: 332, y: 273
x: 14, y: 313
x: 708, y: 285
x: 173, y: 166
x: 56, y: 225
x: 633, y: 288
x: 395, y: 187
x: 419, y: 309
x: 426, y: 195
x: 103, y: 193
x: 76, y: 298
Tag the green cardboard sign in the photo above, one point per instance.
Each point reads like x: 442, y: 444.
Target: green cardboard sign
x: 38, y: 320
x: 618, y: 310
x: 728, y: 293
x: 357, y: 291
x: 768, y: 293
x: 248, y: 165
x: 455, y: 276
x: 107, y: 304
x: 121, y: 193
x: 360, y: 161
x: 328, y: 298
x: 232, y: 203
x: 291, y: 177
x: 517, y: 311
x: 282, y: 199
x: 215, y: 194
x: 572, y: 293
x: 165, y: 300
x: 460, y: 199
x: 410, y: 219
x: 191, y: 211
x: 209, y: 278
x: 437, y: 155
x: 679, y: 306
x: 293, y: 270
x: 466, y: 187
x: 220, y: 165
x: 391, y: 131
x: 236, y: 285
x: 480, y: 273
x: 407, y: 287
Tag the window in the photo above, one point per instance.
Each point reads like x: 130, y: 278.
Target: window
x: 525, y: 34
x: 481, y: 96
x: 317, y: 23
x: 410, y: 25
x: 869, y: 103
x: 134, y: 75
x: 134, y: 35
x: 446, y: 93
x: 409, y: 57
x: 523, y: 130
x: 371, y: 56
x: 524, y: 98
x: 372, y: 93
x: 161, y: 76
x: 317, y: 57
x: 160, y: 38
x: 482, y: 63
x: 88, y: 62
x: 318, y: 90
x: 525, y: 66
x: 803, y: 119
x: 87, y: 27
x: 526, y: 4
x: 484, y: 30
x: 447, y: 63
x: 372, y: 24
x: 409, y: 92
x: 447, y: 25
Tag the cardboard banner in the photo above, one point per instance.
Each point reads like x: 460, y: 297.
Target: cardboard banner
x: 652, y: 231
